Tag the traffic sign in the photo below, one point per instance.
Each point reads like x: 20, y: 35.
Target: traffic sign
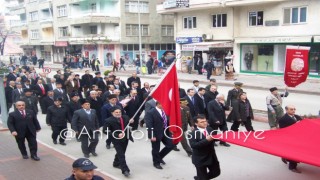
x: 46, y: 70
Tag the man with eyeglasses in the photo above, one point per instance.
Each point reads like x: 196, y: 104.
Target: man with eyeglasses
x: 289, y: 119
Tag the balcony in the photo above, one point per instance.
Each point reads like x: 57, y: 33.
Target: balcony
x: 19, y: 26
x: 47, y: 41
x: 94, y: 19
x: 17, y: 10
x: 93, y: 38
x: 46, y: 23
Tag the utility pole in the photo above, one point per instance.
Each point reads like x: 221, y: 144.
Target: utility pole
x: 140, y: 45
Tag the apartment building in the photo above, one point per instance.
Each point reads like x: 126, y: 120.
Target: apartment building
x: 95, y: 28
x: 255, y: 32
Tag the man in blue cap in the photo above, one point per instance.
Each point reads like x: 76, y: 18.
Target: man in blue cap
x: 83, y: 169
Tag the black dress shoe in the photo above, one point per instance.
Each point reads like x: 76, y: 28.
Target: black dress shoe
x: 284, y: 160
x: 141, y: 123
x: 117, y: 166
x: 108, y: 146
x: 86, y: 155
x: 162, y: 162
x: 36, y: 158
x: 225, y: 144
x: 25, y: 156
x: 157, y: 166
x: 176, y: 149
x: 55, y: 142
x: 94, y: 154
x: 63, y: 143
x: 195, y: 177
x: 295, y: 170
x: 126, y: 174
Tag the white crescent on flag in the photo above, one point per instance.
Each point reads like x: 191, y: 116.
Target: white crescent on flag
x: 170, y: 94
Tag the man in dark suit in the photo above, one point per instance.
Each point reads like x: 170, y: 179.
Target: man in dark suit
x: 96, y: 103
x: 52, y: 85
x: 41, y: 92
x: 132, y: 107
x: 204, y: 155
x: 217, y: 116
x: 86, y: 125
x: 194, y: 111
x: 60, y: 93
x: 57, y: 118
x: 287, y: 120
x: 117, y: 125
x: 157, y: 123
x: 86, y: 80
x: 23, y: 124
x: 232, y: 99
x: 106, y: 113
x: 135, y: 78
x: 17, y: 93
x: 200, y: 100
x: 12, y: 76
x: 211, y: 94
x: 30, y: 100
x: 121, y: 86
x: 48, y: 101
x: 8, y: 92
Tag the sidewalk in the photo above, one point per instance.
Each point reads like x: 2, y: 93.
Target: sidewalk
x: 53, y: 165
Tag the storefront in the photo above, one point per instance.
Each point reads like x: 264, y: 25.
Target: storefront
x: 315, y: 57
x: 59, y: 50
x: 267, y: 55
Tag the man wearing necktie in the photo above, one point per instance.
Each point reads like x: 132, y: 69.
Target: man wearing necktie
x: 204, y: 155
x: 41, y: 91
x: 23, y: 124
x: 86, y: 125
x: 17, y: 93
x: 117, y: 126
x: 158, y: 131
x: 289, y: 119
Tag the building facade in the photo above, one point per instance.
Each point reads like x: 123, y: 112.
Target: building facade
x: 256, y: 33
x: 104, y: 29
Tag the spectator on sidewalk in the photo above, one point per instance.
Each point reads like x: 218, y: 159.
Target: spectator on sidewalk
x: 23, y: 124
x: 83, y: 168
x: 122, y: 63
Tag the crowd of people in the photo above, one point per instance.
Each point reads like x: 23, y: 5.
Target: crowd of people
x: 92, y: 102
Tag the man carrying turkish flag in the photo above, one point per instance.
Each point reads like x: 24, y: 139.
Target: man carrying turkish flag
x: 167, y: 93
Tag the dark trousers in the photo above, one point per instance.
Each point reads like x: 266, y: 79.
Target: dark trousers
x: 32, y: 143
x: 109, y: 138
x: 9, y: 106
x: 93, y: 67
x: 185, y: 144
x: 120, y: 158
x: 247, y: 124
x: 199, y: 68
x: 59, y: 131
x: 150, y: 70
x: 222, y: 127
x: 122, y: 66
x: 42, y: 106
x: 209, y: 73
x: 85, y: 139
x: 97, y: 68
x: 214, y: 171
x: 158, y: 156
x: 136, y: 122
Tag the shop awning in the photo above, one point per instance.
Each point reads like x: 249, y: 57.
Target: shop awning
x: 205, y: 46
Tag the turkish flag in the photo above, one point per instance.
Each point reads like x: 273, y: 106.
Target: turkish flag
x: 297, y: 67
x: 297, y: 142
x: 167, y: 93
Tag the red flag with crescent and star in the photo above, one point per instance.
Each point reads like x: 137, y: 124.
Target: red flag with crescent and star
x: 167, y: 93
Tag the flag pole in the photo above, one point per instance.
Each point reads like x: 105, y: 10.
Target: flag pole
x: 157, y: 85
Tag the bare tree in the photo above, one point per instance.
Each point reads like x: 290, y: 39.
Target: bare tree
x: 3, y: 34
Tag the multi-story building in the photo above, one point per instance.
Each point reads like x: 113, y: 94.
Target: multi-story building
x: 94, y: 28
x: 255, y: 31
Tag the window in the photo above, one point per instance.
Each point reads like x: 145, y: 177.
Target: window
x: 63, y: 32
x: 34, y: 16
x: 189, y: 22
x: 132, y: 7
x: 167, y: 30
x: 219, y: 20
x: 62, y: 11
x: 295, y: 15
x: 256, y: 18
x: 133, y: 30
x: 34, y: 34
x: 93, y: 7
x: 93, y: 30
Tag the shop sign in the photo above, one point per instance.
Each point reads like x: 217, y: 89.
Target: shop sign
x: 61, y: 43
x: 297, y: 67
x: 169, y: 4
x: 182, y: 3
x: 190, y: 47
x: 187, y: 40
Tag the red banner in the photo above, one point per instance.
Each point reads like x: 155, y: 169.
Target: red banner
x: 297, y: 67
